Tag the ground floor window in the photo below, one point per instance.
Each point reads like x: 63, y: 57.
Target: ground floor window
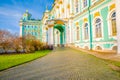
x: 113, y: 24
x: 86, y: 35
x: 78, y: 34
x: 98, y: 28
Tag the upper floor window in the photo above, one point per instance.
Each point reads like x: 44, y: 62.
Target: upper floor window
x: 98, y: 28
x: 84, y: 3
x: 76, y: 6
x: 113, y: 24
x: 86, y: 34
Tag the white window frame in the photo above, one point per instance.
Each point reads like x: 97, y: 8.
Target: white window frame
x: 109, y: 24
x: 93, y: 28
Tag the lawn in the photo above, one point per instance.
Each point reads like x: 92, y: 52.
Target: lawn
x: 7, y: 61
x: 116, y: 63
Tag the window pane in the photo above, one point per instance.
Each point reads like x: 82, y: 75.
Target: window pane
x: 113, y: 23
x: 86, y: 31
x: 114, y: 31
x: 98, y: 29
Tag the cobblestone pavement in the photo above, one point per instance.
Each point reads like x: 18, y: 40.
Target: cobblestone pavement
x: 62, y: 64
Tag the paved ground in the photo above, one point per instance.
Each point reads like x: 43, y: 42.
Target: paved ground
x: 62, y: 64
x: 104, y: 55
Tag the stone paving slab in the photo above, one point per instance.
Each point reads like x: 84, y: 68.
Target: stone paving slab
x: 62, y: 64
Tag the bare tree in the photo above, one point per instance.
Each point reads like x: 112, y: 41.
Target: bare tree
x: 5, y: 40
x: 27, y: 43
x: 17, y: 43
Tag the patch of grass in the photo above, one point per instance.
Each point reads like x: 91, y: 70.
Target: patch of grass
x: 7, y: 61
x: 116, y: 63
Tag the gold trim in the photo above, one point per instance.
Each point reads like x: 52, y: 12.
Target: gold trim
x: 77, y: 23
x: 68, y: 6
x: 60, y: 2
x: 57, y: 7
x: 96, y: 3
x: 85, y: 19
x: 96, y: 14
x: 112, y: 7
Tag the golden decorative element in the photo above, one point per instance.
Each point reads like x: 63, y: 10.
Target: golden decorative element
x: 57, y: 7
x: 49, y: 26
x: 112, y: 7
x: 62, y: 10
x: 85, y: 19
x: 46, y: 28
x: 60, y: 2
x: 68, y: 6
x: 77, y: 23
x: 96, y: 14
x: 59, y: 22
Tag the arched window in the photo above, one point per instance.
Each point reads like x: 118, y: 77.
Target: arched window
x: 76, y: 6
x: 78, y: 34
x: 98, y: 29
x: 84, y: 3
x: 113, y: 24
x: 86, y: 35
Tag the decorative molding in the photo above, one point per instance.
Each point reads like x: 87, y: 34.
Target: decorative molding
x: 96, y: 14
x: 97, y: 3
x: 85, y: 19
x: 112, y: 7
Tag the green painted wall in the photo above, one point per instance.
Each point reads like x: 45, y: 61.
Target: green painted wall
x: 104, y: 11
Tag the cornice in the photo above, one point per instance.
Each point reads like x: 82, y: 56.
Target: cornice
x: 96, y: 4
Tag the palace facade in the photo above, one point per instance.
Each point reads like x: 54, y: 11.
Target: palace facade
x: 30, y: 26
x: 86, y: 24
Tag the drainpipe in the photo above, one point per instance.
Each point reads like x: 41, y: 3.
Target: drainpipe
x: 90, y: 25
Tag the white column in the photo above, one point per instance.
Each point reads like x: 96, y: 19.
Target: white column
x: 118, y: 23
x: 71, y: 2
x: 70, y: 30
x: 66, y: 34
x: 51, y: 36
x: 20, y: 31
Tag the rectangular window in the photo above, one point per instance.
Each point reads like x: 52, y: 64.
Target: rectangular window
x: 84, y: 3
x: 114, y: 31
x: 78, y: 35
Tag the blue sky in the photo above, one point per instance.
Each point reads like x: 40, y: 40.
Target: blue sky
x: 12, y: 10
